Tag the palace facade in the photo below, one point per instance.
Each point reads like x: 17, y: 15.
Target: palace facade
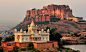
x: 32, y: 35
x: 40, y: 39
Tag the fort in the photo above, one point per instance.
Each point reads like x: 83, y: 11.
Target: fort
x: 51, y: 11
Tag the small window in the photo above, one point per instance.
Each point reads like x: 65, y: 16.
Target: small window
x: 26, y: 39
x: 22, y: 39
x: 43, y: 38
x: 46, y: 38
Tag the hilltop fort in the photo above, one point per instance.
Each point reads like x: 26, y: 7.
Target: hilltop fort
x: 49, y: 12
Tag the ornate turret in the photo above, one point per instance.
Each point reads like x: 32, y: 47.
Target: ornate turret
x: 48, y: 31
x: 21, y: 31
x: 32, y: 24
x: 15, y: 30
x: 42, y: 30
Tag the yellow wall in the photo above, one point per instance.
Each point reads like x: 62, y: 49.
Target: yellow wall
x: 74, y: 19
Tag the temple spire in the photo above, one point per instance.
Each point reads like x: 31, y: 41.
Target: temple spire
x: 32, y: 24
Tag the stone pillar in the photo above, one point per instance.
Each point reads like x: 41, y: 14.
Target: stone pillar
x: 20, y: 39
x: 48, y: 37
x: 28, y: 29
x: 15, y: 37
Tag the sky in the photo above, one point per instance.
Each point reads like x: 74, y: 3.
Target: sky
x: 14, y: 11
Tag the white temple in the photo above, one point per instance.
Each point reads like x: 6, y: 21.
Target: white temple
x: 32, y: 35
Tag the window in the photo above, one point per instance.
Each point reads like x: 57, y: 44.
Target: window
x: 46, y: 38
x: 22, y: 39
x: 26, y: 39
x: 43, y: 38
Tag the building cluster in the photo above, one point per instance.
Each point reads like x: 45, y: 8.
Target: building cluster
x: 40, y: 39
x: 49, y: 12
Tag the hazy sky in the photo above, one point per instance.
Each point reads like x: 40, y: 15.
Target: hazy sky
x: 14, y: 11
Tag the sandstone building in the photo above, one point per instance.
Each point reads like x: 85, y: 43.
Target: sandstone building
x: 49, y: 12
x: 32, y: 35
x: 40, y: 39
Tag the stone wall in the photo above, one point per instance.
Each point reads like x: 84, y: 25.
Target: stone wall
x: 43, y: 45
x: 60, y: 11
x: 48, y: 44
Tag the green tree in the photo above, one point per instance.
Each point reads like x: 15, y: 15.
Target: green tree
x: 57, y: 36
x: 31, y: 46
x: 77, y: 35
x: 23, y: 49
x: 51, y: 35
x: 0, y: 40
x: 37, y: 51
x: 53, y: 30
x: 9, y: 38
x: 47, y: 28
x: 1, y: 50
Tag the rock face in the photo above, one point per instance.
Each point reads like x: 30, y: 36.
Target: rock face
x: 48, y: 12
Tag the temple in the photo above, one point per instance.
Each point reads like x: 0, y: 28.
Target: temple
x: 32, y: 35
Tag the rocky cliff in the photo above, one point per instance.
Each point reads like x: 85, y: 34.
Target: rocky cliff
x: 45, y: 15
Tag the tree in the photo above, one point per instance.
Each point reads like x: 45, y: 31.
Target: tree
x: 53, y: 30
x: 23, y: 49
x: 57, y: 36
x: 47, y: 28
x: 31, y: 46
x: 1, y: 50
x: 0, y: 40
x: 37, y: 51
x: 9, y: 38
x: 51, y: 35
x: 77, y: 35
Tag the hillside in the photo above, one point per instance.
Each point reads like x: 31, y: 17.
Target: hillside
x: 54, y: 16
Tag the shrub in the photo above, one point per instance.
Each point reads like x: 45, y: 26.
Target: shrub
x: 8, y: 44
x: 30, y: 48
x: 13, y: 51
x: 31, y: 51
x: 1, y: 50
x: 23, y: 49
x: 47, y: 48
x: 37, y: 51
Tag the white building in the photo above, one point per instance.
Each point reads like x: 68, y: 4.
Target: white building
x: 32, y: 35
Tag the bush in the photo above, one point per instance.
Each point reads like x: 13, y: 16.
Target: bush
x: 37, y: 51
x: 1, y: 50
x: 31, y: 51
x: 13, y: 51
x: 30, y: 48
x: 47, y: 48
x: 23, y: 49
x: 8, y: 44
x: 81, y: 37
